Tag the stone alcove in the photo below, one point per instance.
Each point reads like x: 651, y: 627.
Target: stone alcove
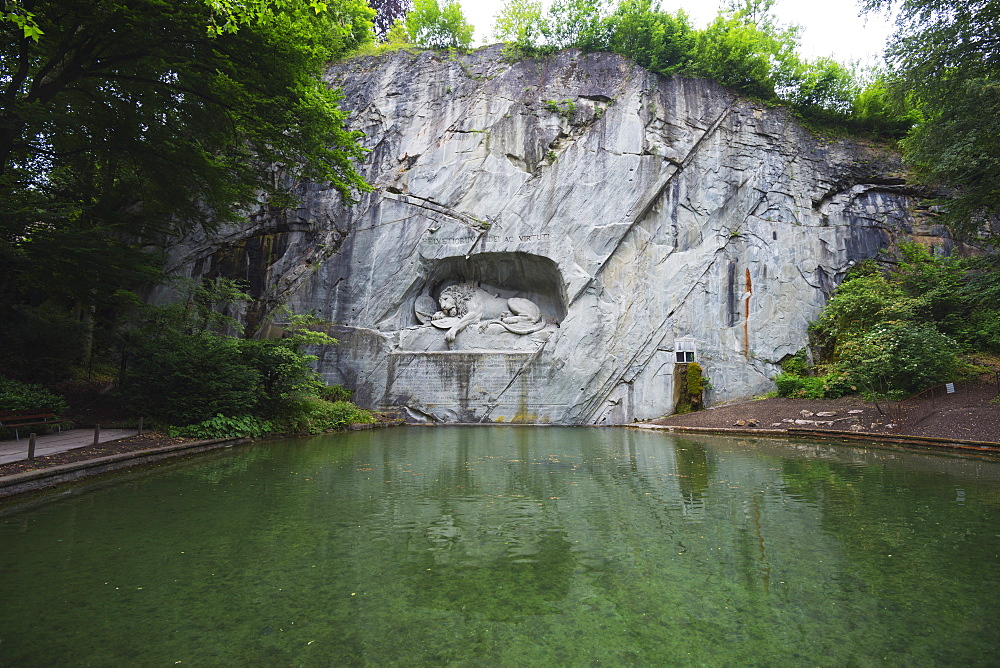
x: 507, y: 282
x: 504, y: 274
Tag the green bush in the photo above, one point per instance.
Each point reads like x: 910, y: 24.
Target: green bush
x: 860, y: 303
x: 340, y: 415
x: 221, y: 426
x: 438, y: 25
x: 335, y: 393
x: 181, y: 378
x: 184, y: 379
x: 796, y: 365
x: 981, y: 330
x: 18, y: 396
x: 899, y: 358
x: 694, y: 384
x: 829, y: 386
x: 284, y: 374
x: 838, y: 384
x: 40, y: 343
x: 313, y: 415
x: 788, y: 384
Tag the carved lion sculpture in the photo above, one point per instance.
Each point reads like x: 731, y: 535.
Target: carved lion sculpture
x: 465, y: 304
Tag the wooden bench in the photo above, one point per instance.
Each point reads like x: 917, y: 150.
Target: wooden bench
x: 28, y: 418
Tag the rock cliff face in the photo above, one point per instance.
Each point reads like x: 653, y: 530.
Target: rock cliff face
x: 547, y: 238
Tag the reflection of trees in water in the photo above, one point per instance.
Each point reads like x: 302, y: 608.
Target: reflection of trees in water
x: 229, y: 464
x: 504, y: 523
x: 904, y: 525
x: 509, y: 522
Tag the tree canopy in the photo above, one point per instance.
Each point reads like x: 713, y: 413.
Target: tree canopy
x: 438, y: 25
x: 119, y: 121
x: 745, y: 48
x: 517, y: 20
x: 896, y: 329
x: 388, y: 12
x: 138, y: 103
x: 944, y: 60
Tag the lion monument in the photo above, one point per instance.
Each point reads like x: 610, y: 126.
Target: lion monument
x: 464, y: 304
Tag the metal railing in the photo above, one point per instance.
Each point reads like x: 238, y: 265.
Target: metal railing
x: 910, y: 412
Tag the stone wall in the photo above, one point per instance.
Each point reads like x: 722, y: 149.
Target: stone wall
x: 591, y: 212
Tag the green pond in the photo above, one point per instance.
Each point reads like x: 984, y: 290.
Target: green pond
x: 511, y: 546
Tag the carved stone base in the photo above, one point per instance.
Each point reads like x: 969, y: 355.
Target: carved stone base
x: 465, y: 387
x: 492, y: 338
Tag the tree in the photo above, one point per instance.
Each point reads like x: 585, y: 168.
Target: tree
x: 438, y: 26
x: 519, y: 22
x: 897, y: 358
x: 230, y: 15
x: 747, y: 51
x: 127, y: 103
x: 659, y: 41
x: 874, y: 110
x: 578, y: 23
x: 226, y: 15
x: 943, y: 58
x: 123, y: 121
x: 824, y: 85
x: 862, y: 302
x: 388, y: 12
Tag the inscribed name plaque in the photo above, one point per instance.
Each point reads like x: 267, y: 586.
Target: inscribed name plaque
x: 464, y: 386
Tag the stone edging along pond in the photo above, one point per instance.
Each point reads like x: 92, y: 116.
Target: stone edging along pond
x: 32, y: 481
x: 963, y: 447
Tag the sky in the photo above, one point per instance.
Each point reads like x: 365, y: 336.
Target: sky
x: 830, y: 27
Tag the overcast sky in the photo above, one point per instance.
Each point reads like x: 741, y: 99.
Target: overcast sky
x: 830, y: 27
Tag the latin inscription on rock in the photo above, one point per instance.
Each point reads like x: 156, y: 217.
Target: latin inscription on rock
x: 472, y: 386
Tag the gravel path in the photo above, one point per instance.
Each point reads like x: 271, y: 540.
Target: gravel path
x: 970, y: 413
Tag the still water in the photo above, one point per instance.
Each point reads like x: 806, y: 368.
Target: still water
x: 511, y: 546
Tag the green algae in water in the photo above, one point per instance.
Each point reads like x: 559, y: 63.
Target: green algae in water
x: 511, y: 547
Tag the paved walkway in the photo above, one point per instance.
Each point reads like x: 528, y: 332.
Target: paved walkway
x: 13, y: 451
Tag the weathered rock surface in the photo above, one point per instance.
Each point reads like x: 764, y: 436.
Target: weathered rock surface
x: 632, y: 211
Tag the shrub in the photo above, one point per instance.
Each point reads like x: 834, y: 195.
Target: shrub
x: 284, y: 374
x: 182, y: 378
x: 838, y: 384
x: 692, y: 388
x: 335, y: 393
x: 829, y: 386
x: 788, y: 384
x: 340, y: 415
x: 314, y: 415
x: 800, y: 387
x: 899, y: 358
x: 981, y: 330
x: 18, y: 396
x: 221, y: 426
x: 861, y: 303
x: 185, y: 379
x: 796, y: 365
